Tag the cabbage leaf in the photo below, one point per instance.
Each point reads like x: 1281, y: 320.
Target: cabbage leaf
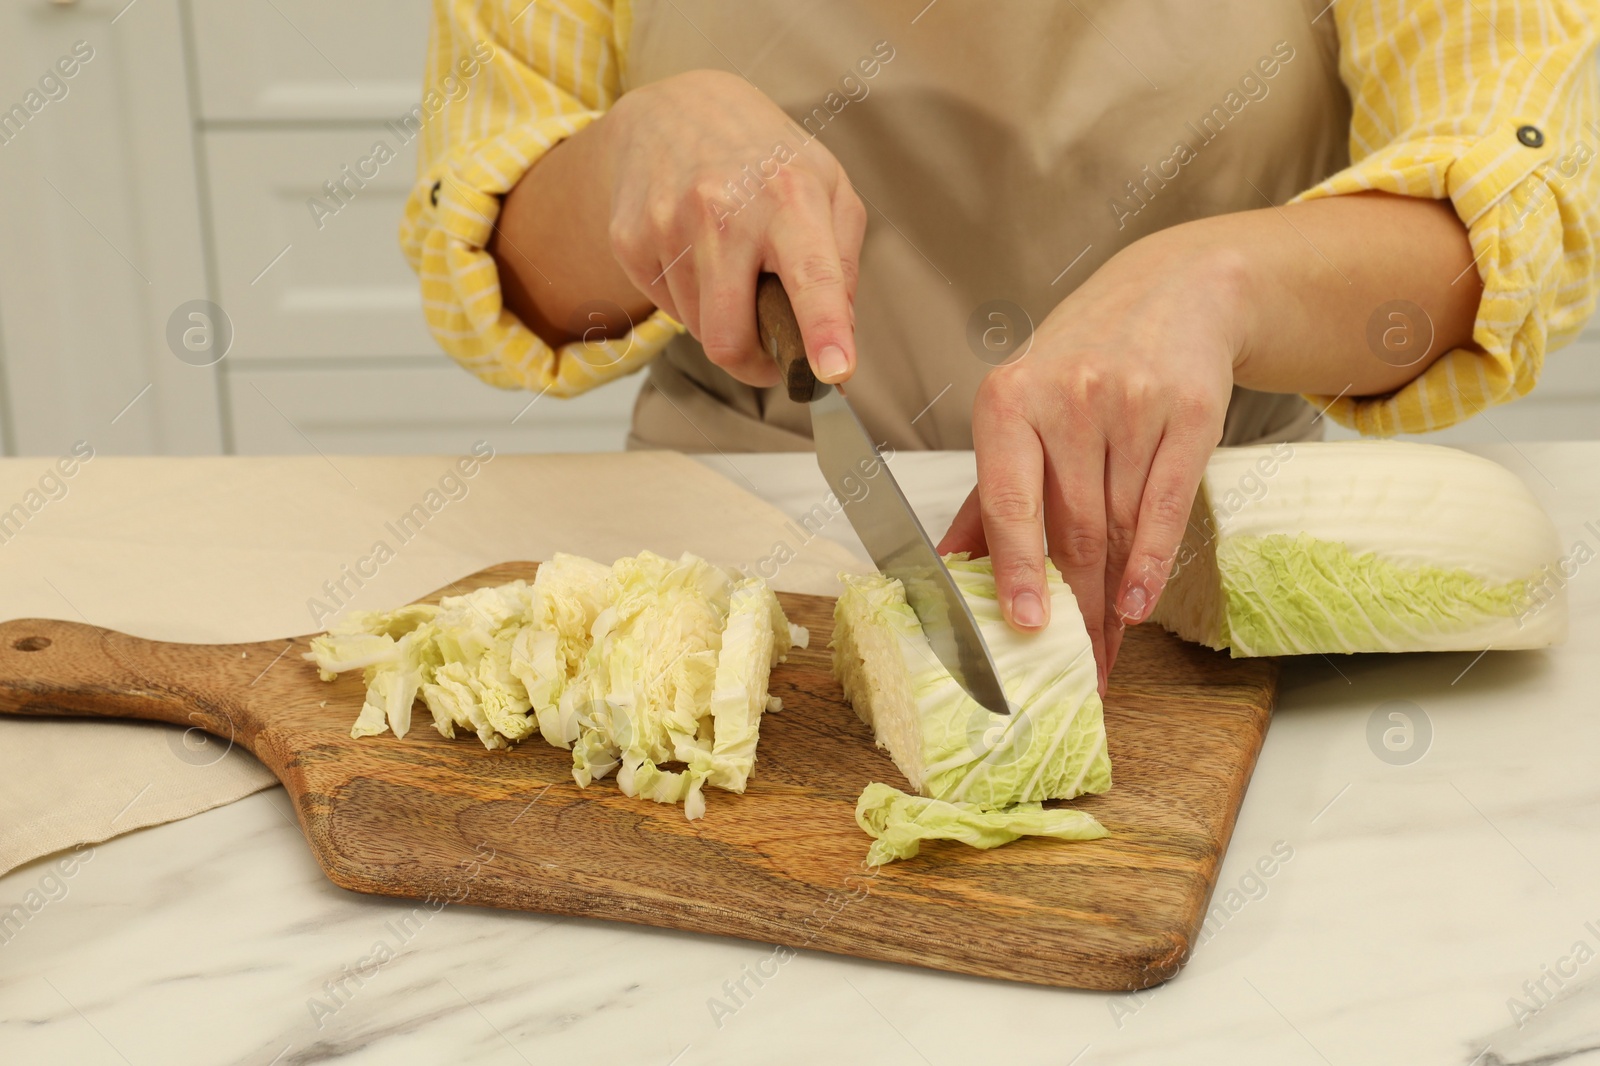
x: 899, y: 823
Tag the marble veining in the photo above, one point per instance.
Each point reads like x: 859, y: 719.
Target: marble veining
x: 1417, y: 902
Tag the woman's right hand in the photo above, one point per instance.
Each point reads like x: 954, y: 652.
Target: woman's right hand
x: 712, y: 184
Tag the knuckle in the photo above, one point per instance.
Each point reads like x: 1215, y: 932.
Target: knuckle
x: 1079, y: 546
x: 1139, y: 389
x: 815, y: 272
x: 1191, y: 407
x: 855, y: 212
x: 628, y: 244
x: 709, y: 213
x: 1018, y: 573
x: 1167, y: 507
x: 1067, y: 400
x: 661, y: 214
x: 1119, y: 540
x: 1151, y: 569
x: 793, y: 184
x: 704, y: 190
x: 1010, y: 504
x: 1089, y: 384
x: 851, y: 270
x: 1004, y: 392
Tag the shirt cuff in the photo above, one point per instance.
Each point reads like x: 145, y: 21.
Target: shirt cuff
x: 448, y: 221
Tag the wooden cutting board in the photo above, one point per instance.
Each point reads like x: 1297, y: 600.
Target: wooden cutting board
x: 428, y: 818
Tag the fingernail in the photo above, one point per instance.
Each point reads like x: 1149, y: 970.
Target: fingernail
x: 1027, y: 609
x: 831, y: 363
x: 1133, y: 604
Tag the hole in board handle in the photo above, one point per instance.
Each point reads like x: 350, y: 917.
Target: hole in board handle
x: 31, y: 643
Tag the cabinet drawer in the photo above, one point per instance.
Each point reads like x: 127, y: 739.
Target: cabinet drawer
x: 309, y: 59
x: 343, y: 287
x: 417, y: 408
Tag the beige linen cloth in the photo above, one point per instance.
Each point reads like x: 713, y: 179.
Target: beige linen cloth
x: 222, y: 550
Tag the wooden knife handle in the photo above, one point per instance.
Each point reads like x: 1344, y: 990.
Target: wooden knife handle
x: 780, y: 336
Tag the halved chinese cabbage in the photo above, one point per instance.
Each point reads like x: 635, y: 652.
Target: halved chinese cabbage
x: 1052, y: 745
x: 1364, y: 546
x: 643, y: 663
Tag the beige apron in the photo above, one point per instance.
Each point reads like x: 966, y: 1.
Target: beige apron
x: 1004, y: 150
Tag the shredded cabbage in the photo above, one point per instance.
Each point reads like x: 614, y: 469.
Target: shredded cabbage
x: 633, y: 667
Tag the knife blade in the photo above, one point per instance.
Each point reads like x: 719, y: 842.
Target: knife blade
x: 881, y: 516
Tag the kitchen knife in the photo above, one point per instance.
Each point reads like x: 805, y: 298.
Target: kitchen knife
x: 880, y: 516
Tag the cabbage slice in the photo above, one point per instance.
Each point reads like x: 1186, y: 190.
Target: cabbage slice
x: 899, y: 823
x: 751, y: 646
x: 635, y: 666
x: 1364, y: 546
x: 950, y: 747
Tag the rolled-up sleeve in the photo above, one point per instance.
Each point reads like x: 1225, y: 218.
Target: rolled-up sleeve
x: 1496, y: 108
x: 506, y: 81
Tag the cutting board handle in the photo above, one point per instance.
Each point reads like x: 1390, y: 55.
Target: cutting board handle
x: 780, y: 336
x: 50, y: 667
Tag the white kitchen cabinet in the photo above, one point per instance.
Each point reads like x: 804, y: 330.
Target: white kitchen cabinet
x: 299, y: 283
x: 177, y: 168
x: 331, y: 350
x: 100, y: 236
x: 309, y: 59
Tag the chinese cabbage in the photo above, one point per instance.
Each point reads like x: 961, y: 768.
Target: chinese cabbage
x: 951, y: 748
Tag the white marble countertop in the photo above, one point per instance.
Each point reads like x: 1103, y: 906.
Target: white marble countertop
x: 1420, y: 904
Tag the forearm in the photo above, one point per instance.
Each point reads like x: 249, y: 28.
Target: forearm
x: 1305, y: 281
x: 552, y: 248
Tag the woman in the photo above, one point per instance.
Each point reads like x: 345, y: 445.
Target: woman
x: 1091, y: 240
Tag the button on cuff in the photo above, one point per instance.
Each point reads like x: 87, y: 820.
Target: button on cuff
x: 1495, y: 164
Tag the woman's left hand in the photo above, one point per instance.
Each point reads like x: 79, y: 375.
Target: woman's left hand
x: 1091, y: 446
